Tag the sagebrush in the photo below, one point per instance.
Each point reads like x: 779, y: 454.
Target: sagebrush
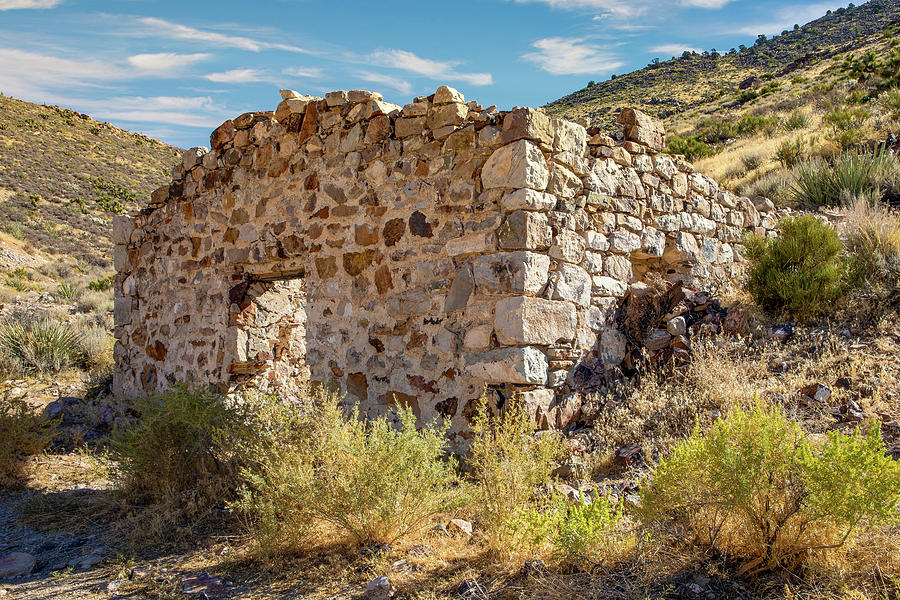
x: 373, y: 480
x: 755, y: 486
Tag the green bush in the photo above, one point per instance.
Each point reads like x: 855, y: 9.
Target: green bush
x: 372, y: 479
x: 715, y: 131
x: 750, y: 124
x: 690, y: 146
x: 24, y: 433
x: 755, y: 487
x: 587, y: 529
x: 789, y: 153
x: 509, y: 463
x: 40, y: 345
x: 850, y: 175
x: 179, y: 457
x: 799, y: 272
x: 846, y: 125
x: 102, y: 284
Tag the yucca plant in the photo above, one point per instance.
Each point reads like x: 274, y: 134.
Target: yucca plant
x: 42, y: 345
x: 67, y: 291
x: 818, y: 182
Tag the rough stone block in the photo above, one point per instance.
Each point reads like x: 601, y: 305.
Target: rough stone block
x: 527, y: 123
x: 525, y: 230
x: 572, y: 283
x: 505, y: 273
x: 522, y: 364
x: 526, y: 199
x: 517, y: 165
x: 534, y: 321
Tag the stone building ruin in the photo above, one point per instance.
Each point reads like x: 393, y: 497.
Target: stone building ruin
x: 410, y: 255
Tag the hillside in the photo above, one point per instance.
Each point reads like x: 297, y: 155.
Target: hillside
x: 64, y: 175
x: 672, y: 87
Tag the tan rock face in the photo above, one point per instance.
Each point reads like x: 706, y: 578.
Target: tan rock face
x: 409, y: 257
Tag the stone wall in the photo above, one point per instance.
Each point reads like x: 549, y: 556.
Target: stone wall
x: 410, y: 255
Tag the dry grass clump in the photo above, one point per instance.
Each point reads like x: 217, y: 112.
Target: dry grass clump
x: 873, y: 239
x: 24, y: 433
x: 661, y: 409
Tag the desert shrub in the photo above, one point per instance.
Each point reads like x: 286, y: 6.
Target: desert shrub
x: 95, y: 302
x: 508, y: 463
x: 750, y: 124
x: 751, y: 162
x: 690, y: 146
x: 24, y: 433
x: 102, y: 284
x: 373, y: 480
x: 846, y: 125
x: 179, y: 456
x: 822, y: 183
x: 95, y: 348
x: 587, y: 529
x: 755, y: 487
x: 68, y: 291
x: 747, y: 96
x: 775, y: 185
x: 889, y: 104
x: 41, y: 345
x: 16, y: 230
x: 715, y: 131
x: 796, y: 120
x: 801, y: 271
x: 789, y: 153
x: 873, y: 240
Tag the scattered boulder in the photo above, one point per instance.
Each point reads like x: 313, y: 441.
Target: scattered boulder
x: 16, y: 564
x: 379, y: 588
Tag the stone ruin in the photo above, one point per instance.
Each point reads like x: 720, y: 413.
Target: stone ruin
x: 411, y: 256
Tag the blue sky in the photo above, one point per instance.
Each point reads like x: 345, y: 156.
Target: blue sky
x: 175, y: 70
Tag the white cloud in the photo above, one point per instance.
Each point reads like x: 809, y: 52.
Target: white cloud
x: 14, y: 4
x: 307, y: 72
x: 622, y: 9
x: 673, y: 49
x: 710, y: 4
x: 197, y: 111
x: 165, y: 63
x: 786, y: 17
x: 238, y: 76
x: 617, y: 8
x: 22, y: 71
x: 565, y: 56
x: 395, y: 83
x: 433, y: 69
x: 163, y: 28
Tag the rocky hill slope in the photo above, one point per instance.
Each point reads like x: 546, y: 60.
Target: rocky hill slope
x: 679, y: 85
x: 64, y: 175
